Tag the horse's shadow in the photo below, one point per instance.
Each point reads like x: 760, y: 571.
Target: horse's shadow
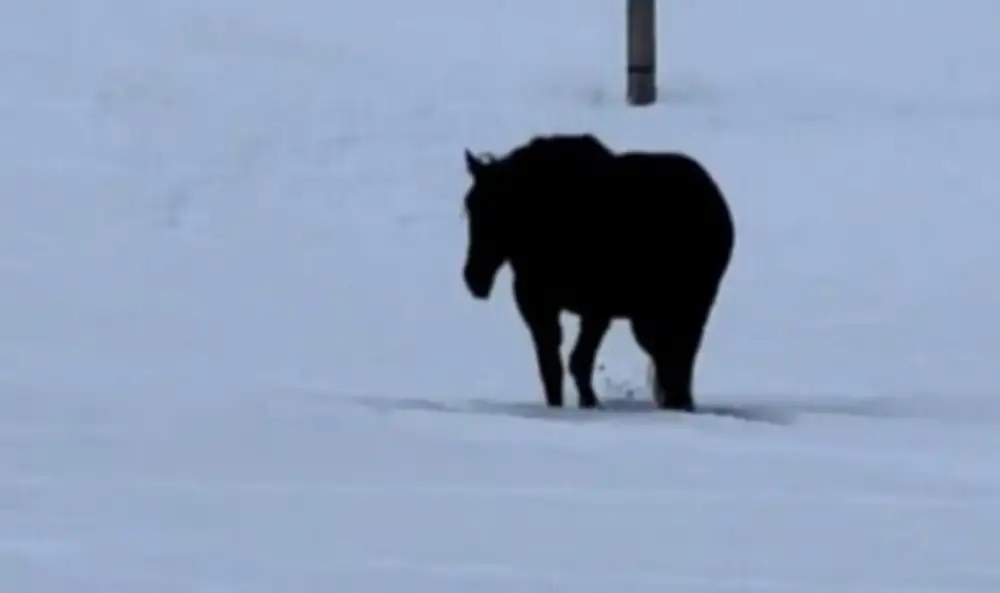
x: 768, y: 410
x: 779, y: 410
x: 631, y: 409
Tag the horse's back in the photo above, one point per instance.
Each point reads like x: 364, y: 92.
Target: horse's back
x: 638, y: 198
x: 673, y: 182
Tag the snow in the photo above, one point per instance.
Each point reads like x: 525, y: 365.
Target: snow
x: 236, y: 353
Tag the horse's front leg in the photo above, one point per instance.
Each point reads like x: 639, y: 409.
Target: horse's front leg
x: 581, y: 360
x: 546, y: 334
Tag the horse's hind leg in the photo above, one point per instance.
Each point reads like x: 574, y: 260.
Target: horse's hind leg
x: 672, y: 350
x: 673, y: 341
x: 672, y: 337
x: 581, y: 360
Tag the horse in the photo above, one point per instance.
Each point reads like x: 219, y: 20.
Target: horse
x: 641, y: 236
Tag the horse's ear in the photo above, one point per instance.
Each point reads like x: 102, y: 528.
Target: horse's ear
x: 472, y: 164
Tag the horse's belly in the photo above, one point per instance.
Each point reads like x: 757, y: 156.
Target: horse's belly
x: 614, y: 297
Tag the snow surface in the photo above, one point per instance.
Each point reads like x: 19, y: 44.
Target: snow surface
x: 236, y: 354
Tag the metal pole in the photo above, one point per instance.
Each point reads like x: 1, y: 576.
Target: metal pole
x: 641, y: 39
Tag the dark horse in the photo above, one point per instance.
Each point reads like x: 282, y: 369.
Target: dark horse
x: 641, y: 236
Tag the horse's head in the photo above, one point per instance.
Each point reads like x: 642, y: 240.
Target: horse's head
x: 487, y: 205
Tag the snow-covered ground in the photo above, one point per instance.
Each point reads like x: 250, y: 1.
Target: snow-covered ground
x: 236, y: 354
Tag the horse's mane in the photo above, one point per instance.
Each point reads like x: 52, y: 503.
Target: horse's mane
x: 556, y: 156
x: 556, y: 148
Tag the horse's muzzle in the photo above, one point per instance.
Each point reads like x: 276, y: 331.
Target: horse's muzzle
x: 480, y: 285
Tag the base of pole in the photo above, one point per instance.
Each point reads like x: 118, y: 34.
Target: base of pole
x: 641, y: 89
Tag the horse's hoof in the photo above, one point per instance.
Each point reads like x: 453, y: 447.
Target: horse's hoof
x: 670, y: 406
x: 683, y: 408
